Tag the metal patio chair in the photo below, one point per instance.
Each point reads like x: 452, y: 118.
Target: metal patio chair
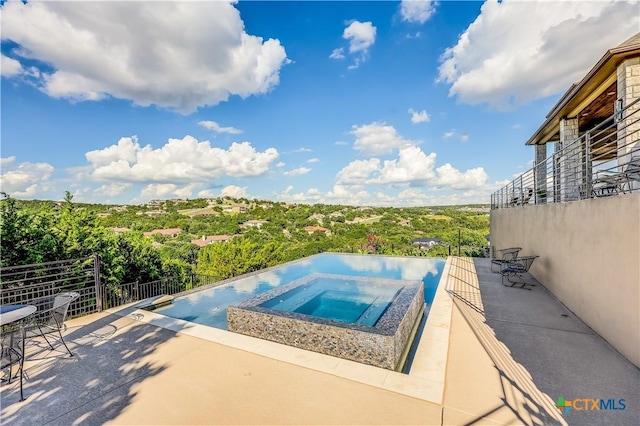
x: 12, y: 354
x: 517, y: 267
x: 506, y: 255
x: 50, y: 318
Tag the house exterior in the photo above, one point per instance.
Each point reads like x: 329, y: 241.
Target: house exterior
x: 235, y: 208
x: 583, y: 220
x: 171, y: 232
x: 311, y: 229
x: 206, y: 240
x: 120, y: 230
x: 425, y: 243
x: 254, y: 223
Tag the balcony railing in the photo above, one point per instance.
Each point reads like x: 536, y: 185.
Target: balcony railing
x: 602, y: 162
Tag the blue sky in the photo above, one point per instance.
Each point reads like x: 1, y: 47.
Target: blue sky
x: 362, y: 103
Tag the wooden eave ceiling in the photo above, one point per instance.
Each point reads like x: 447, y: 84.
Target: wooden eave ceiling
x: 590, y: 100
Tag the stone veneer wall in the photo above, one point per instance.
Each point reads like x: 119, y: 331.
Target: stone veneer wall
x: 380, y: 346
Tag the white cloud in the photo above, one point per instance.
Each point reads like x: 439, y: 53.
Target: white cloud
x: 179, y: 160
x: 464, y: 137
x: 337, y: 53
x: 212, y: 125
x: 111, y: 189
x: 419, y: 117
x: 302, y: 150
x: 280, y: 164
x: 180, y: 55
x: 297, y: 172
x: 7, y: 161
x: 361, y: 36
x: 417, y: 10
x: 24, y: 180
x: 515, y: 52
x: 312, y: 195
x: 313, y: 160
x: 167, y: 190
x: 158, y: 191
x: 348, y: 195
x: 9, y: 67
x: 472, y: 178
x: 341, y: 143
x: 412, y: 166
x: 357, y: 172
x: 234, y: 191
x: 378, y: 138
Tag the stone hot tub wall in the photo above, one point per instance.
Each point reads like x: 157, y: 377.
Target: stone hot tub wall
x: 381, y: 345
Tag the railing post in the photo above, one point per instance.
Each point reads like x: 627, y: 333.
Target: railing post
x: 136, y: 291
x: 96, y: 277
x: 588, y: 168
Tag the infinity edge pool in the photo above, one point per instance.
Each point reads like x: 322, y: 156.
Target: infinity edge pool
x: 424, y: 381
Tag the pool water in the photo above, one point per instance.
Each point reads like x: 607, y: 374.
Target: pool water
x: 340, y: 300
x: 209, y: 306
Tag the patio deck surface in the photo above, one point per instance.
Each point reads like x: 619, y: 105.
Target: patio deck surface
x: 512, y: 353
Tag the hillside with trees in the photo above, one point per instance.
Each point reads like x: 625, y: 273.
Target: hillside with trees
x: 225, y: 237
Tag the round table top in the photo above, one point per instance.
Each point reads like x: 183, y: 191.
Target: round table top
x: 12, y: 313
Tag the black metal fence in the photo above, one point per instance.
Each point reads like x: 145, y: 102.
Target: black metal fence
x: 35, y: 283
x: 30, y: 284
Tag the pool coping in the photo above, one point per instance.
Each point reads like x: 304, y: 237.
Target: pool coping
x: 426, y: 377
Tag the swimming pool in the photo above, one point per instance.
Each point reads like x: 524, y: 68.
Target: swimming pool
x: 209, y: 306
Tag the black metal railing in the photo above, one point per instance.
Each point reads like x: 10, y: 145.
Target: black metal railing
x: 35, y: 283
x: 26, y: 284
x: 604, y: 161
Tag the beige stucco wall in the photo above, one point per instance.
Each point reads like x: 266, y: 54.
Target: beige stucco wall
x: 589, y: 258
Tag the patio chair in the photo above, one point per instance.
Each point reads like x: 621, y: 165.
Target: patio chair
x: 50, y: 318
x: 506, y: 255
x: 517, y: 267
x: 12, y: 353
x: 522, y: 198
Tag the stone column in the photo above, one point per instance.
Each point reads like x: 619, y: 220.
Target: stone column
x: 628, y: 131
x: 570, y: 160
x: 541, y: 174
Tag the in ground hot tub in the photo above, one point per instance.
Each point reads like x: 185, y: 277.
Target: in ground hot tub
x: 368, y: 320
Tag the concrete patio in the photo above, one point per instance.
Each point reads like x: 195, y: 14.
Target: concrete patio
x: 512, y: 353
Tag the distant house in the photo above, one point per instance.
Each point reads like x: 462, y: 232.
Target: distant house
x: 425, y: 243
x: 311, y: 229
x: 254, y: 223
x: 120, y: 230
x: 405, y: 222
x: 152, y: 212
x: 206, y: 240
x: 118, y: 208
x: 104, y: 214
x: 155, y: 203
x: 172, y: 232
x: 234, y: 208
x: 336, y: 214
x: 317, y: 216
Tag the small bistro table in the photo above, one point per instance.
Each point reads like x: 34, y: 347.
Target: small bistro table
x: 14, y: 315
